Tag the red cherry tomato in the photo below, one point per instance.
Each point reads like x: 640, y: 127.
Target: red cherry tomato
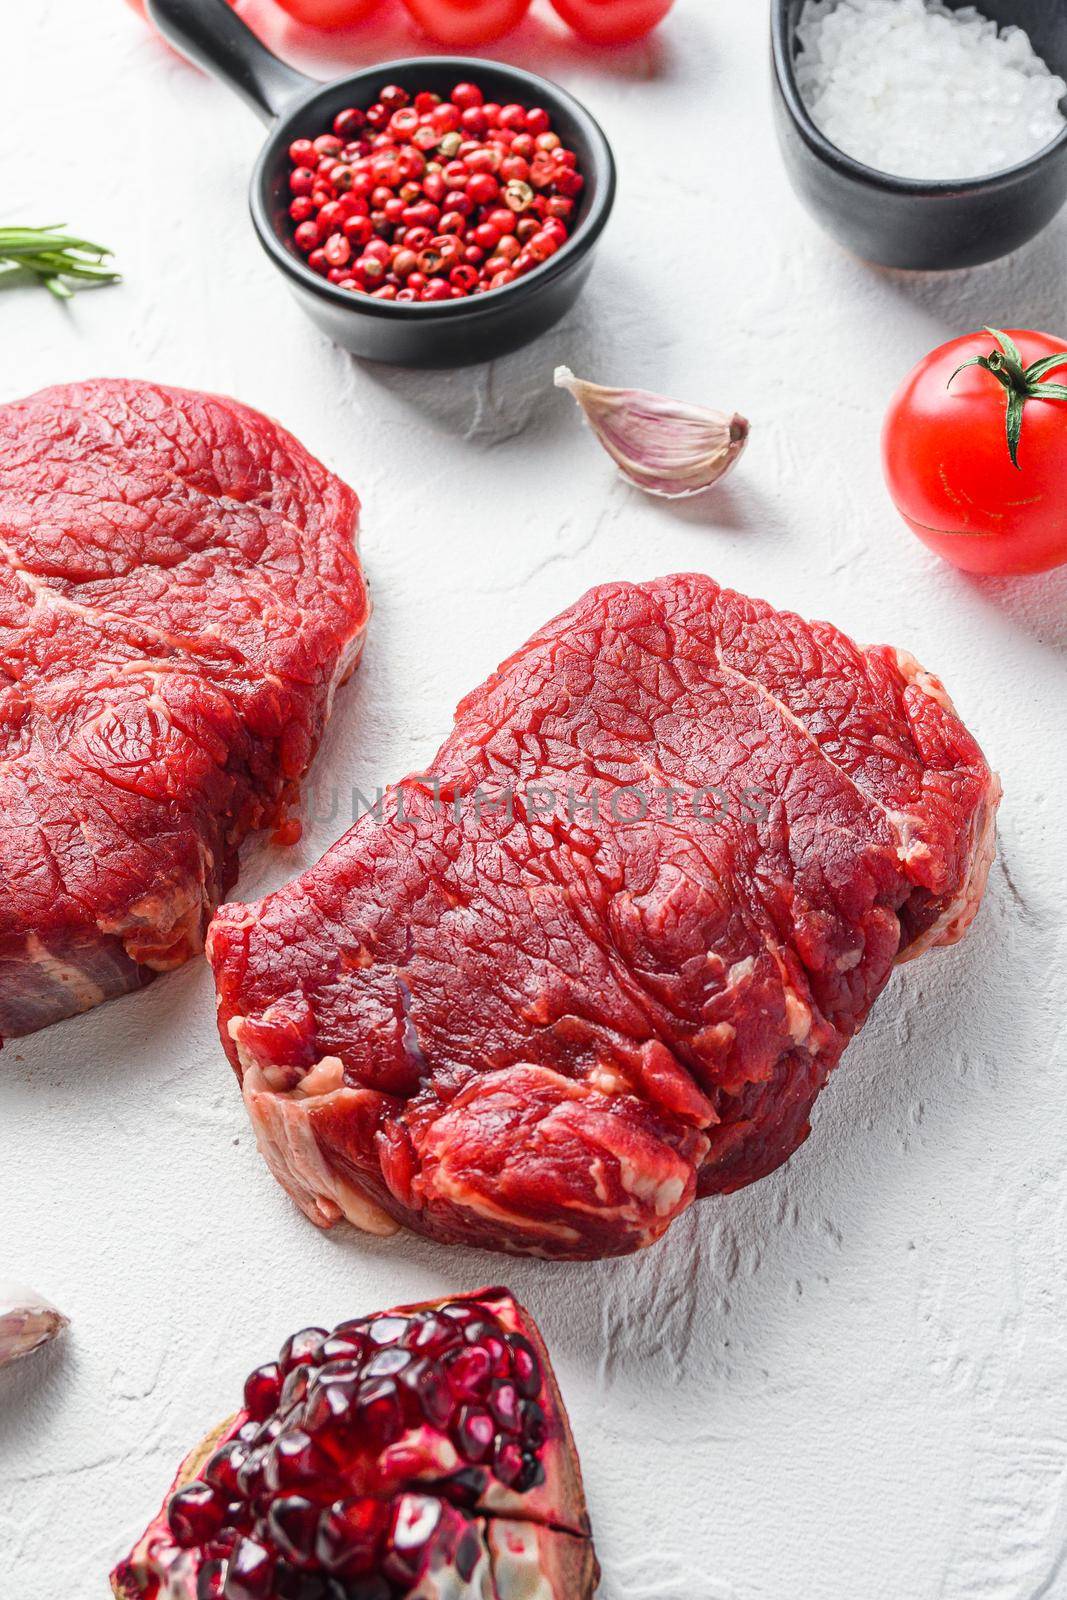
x: 329, y: 13
x: 463, y: 22
x: 948, y: 459
x: 612, y: 21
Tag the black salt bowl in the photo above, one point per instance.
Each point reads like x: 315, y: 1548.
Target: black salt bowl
x: 918, y: 223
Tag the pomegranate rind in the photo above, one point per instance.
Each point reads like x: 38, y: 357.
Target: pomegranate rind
x: 138, y: 1577
x: 560, y: 1500
x: 537, y: 1544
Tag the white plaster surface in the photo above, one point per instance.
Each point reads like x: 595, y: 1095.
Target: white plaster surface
x: 848, y: 1383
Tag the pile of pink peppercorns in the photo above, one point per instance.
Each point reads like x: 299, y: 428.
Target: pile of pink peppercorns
x: 423, y: 198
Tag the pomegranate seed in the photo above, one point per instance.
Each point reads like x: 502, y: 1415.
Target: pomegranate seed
x: 262, y: 1390
x: 195, y: 1514
x: 508, y: 1461
x: 387, y: 1364
x: 470, y: 1371
x: 293, y: 1460
x: 414, y: 1525
x: 301, y: 1349
x: 350, y: 1534
x: 473, y: 1434
x: 430, y: 1390
x: 504, y: 1404
x: 292, y: 1523
x: 294, y: 1389
x: 532, y: 1424
x: 526, y: 1366
x: 224, y: 1465
x: 387, y: 1330
x: 251, y: 1572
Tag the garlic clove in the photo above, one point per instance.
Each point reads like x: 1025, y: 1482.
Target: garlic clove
x: 662, y: 446
x: 27, y: 1321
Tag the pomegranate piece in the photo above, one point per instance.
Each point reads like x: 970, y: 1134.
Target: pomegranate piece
x: 410, y: 1455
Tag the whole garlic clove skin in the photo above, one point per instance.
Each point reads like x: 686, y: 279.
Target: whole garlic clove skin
x: 27, y: 1321
x: 665, y: 447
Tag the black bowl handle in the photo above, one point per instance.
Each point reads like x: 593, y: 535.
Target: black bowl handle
x: 210, y: 33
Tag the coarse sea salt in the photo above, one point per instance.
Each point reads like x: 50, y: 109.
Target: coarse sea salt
x: 916, y: 89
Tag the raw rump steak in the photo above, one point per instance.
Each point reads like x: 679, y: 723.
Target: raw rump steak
x: 179, y: 597
x: 601, y: 959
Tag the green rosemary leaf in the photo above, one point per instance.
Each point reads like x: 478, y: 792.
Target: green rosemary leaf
x: 58, y: 261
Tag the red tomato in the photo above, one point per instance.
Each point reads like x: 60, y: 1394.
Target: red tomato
x: 947, y: 457
x: 463, y: 22
x: 329, y: 13
x: 612, y: 21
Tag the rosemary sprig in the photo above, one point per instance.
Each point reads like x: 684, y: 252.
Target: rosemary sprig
x: 53, y: 258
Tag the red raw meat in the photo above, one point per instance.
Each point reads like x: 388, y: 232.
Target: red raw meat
x: 601, y: 960
x: 179, y: 598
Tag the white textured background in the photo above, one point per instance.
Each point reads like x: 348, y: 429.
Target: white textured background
x: 849, y: 1383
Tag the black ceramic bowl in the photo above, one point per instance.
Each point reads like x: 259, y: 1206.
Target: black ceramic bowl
x: 902, y: 222
x: 438, y: 334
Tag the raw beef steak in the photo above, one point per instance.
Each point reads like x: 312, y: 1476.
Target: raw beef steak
x: 179, y: 597
x: 601, y: 959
